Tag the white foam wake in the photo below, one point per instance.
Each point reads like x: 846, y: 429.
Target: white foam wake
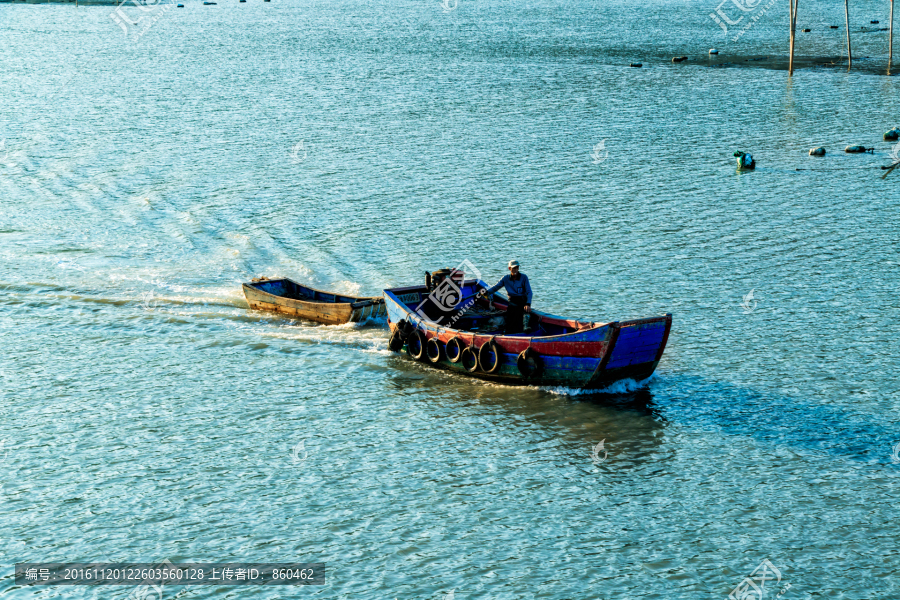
x: 623, y: 386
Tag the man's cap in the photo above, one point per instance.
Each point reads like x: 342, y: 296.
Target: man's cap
x: 513, y: 263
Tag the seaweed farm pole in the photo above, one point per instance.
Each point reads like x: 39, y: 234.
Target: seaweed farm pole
x: 847, y: 21
x: 793, y: 11
x: 891, y: 40
x: 791, y: 26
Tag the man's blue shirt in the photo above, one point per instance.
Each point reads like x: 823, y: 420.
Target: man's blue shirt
x: 514, y: 287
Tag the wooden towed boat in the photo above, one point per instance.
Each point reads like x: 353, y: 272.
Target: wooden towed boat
x: 291, y: 298
x: 554, y: 352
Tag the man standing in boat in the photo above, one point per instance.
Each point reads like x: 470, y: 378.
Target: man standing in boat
x: 519, y: 291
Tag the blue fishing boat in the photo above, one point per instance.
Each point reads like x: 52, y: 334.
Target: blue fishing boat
x: 449, y: 324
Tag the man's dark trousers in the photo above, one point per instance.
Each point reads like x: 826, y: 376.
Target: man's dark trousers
x: 515, y: 314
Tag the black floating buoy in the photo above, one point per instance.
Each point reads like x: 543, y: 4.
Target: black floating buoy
x: 679, y: 58
x: 638, y: 65
x: 874, y: 22
x: 820, y: 151
x: 892, y: 135
x: 834, y: 26
x: 857, y: 149
x: 807, y: 30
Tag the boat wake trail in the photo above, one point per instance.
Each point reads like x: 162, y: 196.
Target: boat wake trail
x: 624, y: 386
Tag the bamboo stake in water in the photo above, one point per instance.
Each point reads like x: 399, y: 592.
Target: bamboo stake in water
x: 891, y: 40
x: 793, y: 12
x: 791, y: 29
x: 847, y: 21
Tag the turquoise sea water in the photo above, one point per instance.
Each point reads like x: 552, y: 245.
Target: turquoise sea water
x: 148, y: 415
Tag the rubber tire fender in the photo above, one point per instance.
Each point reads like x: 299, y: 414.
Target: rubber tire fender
x: 415, y: 345
x: 395, y: 344
x: 433, y: 350
x: 454, y: 349
x: 405, y: 328
x: 524, y: 368
x: 482, y: 357
x: 469, y: 360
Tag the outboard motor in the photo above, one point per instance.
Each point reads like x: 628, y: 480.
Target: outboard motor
x: 444, y: 294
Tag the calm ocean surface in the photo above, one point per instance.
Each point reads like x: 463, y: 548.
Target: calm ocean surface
x: 147, y: 414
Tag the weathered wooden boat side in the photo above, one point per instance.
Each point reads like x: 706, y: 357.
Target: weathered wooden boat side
x: 291, y: 298
x: 580, y: 355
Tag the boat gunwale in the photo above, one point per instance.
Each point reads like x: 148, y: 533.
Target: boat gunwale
x: 587, y: 325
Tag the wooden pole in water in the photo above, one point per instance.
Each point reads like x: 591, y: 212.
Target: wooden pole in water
x: 891, y: 40
x: 793, y: 33
x: 847, y: 25
x: 791, y: 28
